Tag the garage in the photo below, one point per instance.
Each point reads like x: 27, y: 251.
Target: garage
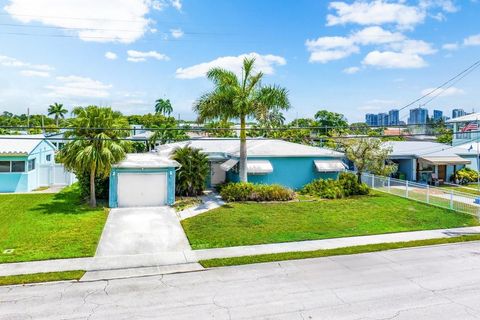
x: 143, y: 180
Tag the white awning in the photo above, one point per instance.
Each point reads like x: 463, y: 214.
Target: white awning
x: 229, y: 164
x: 259, y: 166
x: 451, y: 160
x: 329, y: 165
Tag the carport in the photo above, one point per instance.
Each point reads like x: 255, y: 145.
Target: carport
x: 143, y: 180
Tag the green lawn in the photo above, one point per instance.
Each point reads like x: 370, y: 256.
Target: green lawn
x: 41, y: 277
x: 48, y: 226
x: 239, y: 224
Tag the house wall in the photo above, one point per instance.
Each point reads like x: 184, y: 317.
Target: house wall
x: 14, y: 181
x: 406, y: 166
x: 292, y: 172
x: 113, y: 201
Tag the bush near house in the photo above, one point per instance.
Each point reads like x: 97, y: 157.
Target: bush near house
x: 101, y: 186
x: 465, y: 175
x: 191, y: 178
x: 347, y: 185
x: 244, y: 191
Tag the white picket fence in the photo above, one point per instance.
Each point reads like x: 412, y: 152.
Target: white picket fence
x: 449, y: 199
x: 55, y: 175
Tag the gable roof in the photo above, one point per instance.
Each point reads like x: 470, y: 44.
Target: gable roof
x: 466, y: 118
x: 424, y: 148
x: 255, y: 148
x: 20, y: 144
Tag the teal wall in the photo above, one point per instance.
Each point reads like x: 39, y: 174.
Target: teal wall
x: 113, y: 199
x: 291, y: 172
x: 14, y: 181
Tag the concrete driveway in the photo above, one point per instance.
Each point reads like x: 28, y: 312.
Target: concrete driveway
x: 142, y: 231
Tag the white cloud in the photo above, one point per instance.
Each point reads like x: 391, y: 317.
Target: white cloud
x: 6, y: 61
x: 140, y: 56
x: 391, y: 60
x: 376, y: 35
x: 76, y: 86
x: 450, y: 46
x: 325, y: 49
x: 163, y: 4
x: 177, y: 4
x: 35, y: 73
x: 176, y: 33
x: 375, y: 13
x: 264, y: 63
x: 92, y: 20
x: 472, y: 40
x: 452, y: 91
x: 351, y: 70
x: 111, y: 55
x: 413, y: 47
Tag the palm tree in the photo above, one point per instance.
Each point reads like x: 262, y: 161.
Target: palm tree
x: 163, y: 106
x: 235, y: 98
x: 97, y: 143
x: 57, y: 111
x: 192, y: 175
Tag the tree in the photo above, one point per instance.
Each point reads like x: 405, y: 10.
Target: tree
x: 239, y: 98
x: 369, y: 154
x: 331, y: 120
x: 58, y: 111
x: 192, y: 176
x: 163, y: 106
x: 97, y: 143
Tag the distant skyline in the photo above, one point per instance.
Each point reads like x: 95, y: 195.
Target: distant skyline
x: 353, y: 57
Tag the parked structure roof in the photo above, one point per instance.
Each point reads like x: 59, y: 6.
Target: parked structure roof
x: 19, y: 144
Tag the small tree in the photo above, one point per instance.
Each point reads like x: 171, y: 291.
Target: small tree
x: 57, y: 111
x: 369, y: 154
x: 192, y: 175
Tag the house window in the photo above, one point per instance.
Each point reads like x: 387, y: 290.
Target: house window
x: 31, y: 165
x: 4, y: 166
x: 18, y: 166
x: 49, y: 157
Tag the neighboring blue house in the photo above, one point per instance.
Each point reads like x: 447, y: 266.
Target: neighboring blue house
x: 268, y: 161
x: 20, y: 160
x: 426, y: 162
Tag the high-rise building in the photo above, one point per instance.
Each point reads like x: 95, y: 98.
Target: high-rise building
x: 418, y: 116
x: 371, y: 119
x: 382, y: 119
x: 437, y: 115
x: 393, y: 117
x: 458, y: 113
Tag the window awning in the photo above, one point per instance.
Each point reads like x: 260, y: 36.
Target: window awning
x: 259, y: 166
x: 229, y: 164
x: 451, y: 160
x: 329, y: 165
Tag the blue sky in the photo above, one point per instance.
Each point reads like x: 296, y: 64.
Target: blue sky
x: 351, y: 57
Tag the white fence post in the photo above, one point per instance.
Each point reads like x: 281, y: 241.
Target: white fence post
x: 428, y: 193
x: 451, y: 200
x: 406, y: 189
x: 388, y: 179
x: 373, y: 181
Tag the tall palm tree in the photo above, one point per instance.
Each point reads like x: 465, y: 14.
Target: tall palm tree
x: 58, y: 111
x: 97, y: 143
x: 234, y: 98
x: 163, y: 106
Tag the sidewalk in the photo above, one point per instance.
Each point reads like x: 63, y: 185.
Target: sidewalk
x: 210, y: 201
x: 116, y: 266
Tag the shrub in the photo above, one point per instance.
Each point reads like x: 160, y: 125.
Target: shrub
x: 347, y: 185
x: 101, y: 186
x: 466, y: 175
x: 191, y: 178
x: 242, y: 191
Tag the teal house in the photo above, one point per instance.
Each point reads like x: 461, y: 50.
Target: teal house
x: 143, y: 180
x: 20, y: 160
x: 269, y: 161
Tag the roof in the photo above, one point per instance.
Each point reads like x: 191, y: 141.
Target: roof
x: 20, y: 144
x: 146, y: 161
x: 255, y: 148
x: 466, y: 118
x: 423, y: 148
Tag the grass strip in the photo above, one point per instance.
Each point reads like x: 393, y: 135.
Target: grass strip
x: 224, y: 262
x: 41, y: 277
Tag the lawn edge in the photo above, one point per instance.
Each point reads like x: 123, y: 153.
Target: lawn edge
x: 41, y: 277
x: 351, y: 250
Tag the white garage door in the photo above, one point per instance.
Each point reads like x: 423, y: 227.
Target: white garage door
x: 141, y: 190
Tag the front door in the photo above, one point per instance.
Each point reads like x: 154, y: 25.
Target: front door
x: 442, y: 173
x: 217, y: 175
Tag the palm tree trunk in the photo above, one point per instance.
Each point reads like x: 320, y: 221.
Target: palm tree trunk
x: 93, y: 198
x: 56, y: 120
x: 243, y: 150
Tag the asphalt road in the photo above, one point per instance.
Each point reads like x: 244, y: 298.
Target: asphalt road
x: 440, y: 282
